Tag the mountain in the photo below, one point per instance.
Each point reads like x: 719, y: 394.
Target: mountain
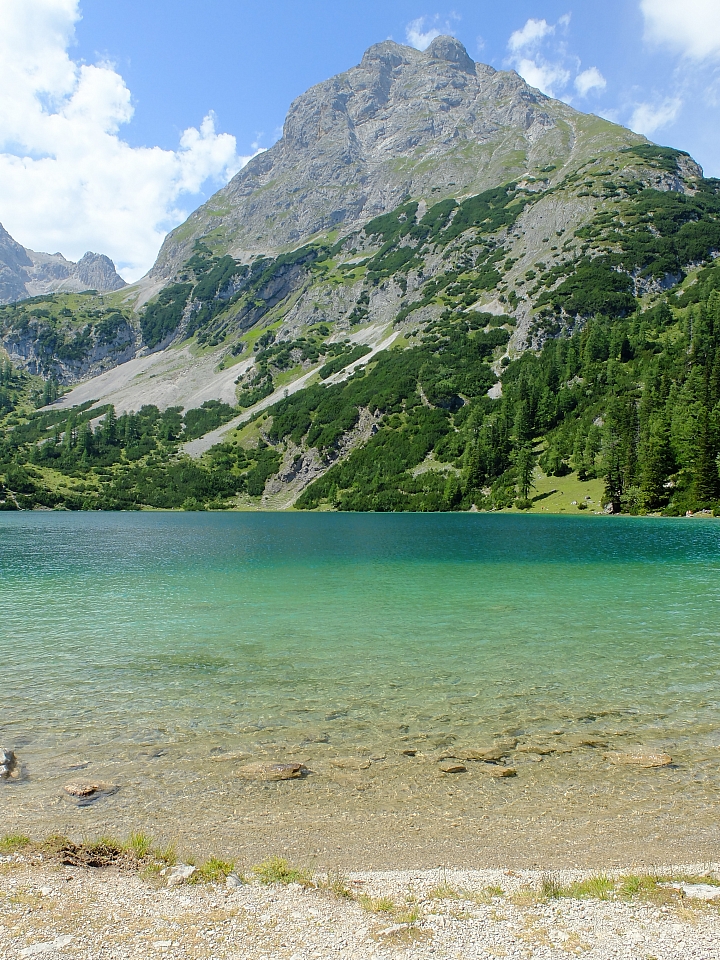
x: 439, y: 290
x: 25, y: 273
x: 402, y: 123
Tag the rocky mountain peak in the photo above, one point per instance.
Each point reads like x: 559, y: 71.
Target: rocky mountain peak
x: 451, y: 50
x: 429, y: 124
x: 25, y: 273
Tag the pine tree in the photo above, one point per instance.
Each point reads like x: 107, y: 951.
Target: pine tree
x: 525, y: 461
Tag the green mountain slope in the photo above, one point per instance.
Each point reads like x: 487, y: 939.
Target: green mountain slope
x: 460, y: 349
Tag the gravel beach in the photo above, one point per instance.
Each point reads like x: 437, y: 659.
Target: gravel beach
x: 57, y: 911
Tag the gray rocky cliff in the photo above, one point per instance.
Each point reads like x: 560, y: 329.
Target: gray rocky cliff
x: 25, y: 273
x: 429, y: 124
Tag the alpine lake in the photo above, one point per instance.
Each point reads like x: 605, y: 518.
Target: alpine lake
x: 549, y: 661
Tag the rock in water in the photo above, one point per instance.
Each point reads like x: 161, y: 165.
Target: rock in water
x: 484, y: 754
x: 9, y: 766
x: 640, y: 759
x: 81, y: 790
x: 350, y: 763
x: 83, y: 794
x: 502, y: 773
x: 451, y: 767
x: 272, y: 771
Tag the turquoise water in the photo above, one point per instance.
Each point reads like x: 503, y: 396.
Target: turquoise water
x: 157, y: 643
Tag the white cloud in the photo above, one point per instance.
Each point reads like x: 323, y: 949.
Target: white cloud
x: 419, y: 38
x: 693, y: 26
x: 648, y: 117
x: 68, y: 181
x: 590, y: 79
x: 542, y: 59
x: 545, y: 76
x: 530, y: 36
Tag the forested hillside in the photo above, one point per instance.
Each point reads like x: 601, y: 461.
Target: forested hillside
x: 555, y: 334
x: 632, y: 400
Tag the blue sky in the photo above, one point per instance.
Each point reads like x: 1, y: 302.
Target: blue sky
x: 118, y: 117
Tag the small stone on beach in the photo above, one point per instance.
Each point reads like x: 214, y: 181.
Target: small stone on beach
x: 180, y: 873
x: 453, y: 768
x: 501, y: 773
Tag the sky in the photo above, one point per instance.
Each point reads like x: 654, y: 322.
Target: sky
x: 119, y: 117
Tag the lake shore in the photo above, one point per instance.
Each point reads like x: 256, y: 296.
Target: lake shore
x: 58, y: 910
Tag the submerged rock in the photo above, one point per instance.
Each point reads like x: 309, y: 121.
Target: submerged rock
x: 501, y: 773
x: 539, y: 749
x: 350, y: 763
x: 272, y: 771
x: 453, y: 767
x: 484, y: 754
x: 9, y: 766
x: 640, y: 759
x: 83, y: 794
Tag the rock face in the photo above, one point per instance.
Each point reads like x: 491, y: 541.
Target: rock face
x: 24, y: 273
x: 403, y: 122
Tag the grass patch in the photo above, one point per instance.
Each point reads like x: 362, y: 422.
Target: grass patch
x: 12, y: 842
x: 213, y: 870
x: 140, y: 845
x: 278, y: 870
x: 637, y: 886
x: 445, y: 891
x: 376, y: 904
x: 337, y: 884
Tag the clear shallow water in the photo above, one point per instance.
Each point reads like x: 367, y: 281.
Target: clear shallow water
x: 150, y: 646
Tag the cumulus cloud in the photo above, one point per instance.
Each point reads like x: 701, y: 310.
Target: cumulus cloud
x: 530, y: 35
x: 420, y: 33
x: 547, y: 77
x: 543, y: 60
x: 590, y: 79
x: 692, y: 27
x: 68, y: 181
x: 648, y: 117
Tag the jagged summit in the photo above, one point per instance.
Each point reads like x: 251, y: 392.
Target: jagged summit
x: 430, y: 124
x: 452, y: 51
x: 25, y: 273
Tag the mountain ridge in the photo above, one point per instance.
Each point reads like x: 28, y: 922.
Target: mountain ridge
x: 25, y: 273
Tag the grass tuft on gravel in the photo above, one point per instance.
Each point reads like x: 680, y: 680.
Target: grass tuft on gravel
x: 278, y: 870
x: 213, y: 870
x: 12, y: 842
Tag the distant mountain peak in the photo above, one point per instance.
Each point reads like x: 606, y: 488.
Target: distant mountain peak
x: 25, y: 273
